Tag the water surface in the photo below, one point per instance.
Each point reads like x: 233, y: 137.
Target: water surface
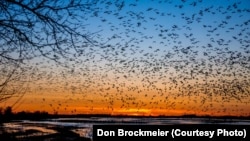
x: 83, y: 126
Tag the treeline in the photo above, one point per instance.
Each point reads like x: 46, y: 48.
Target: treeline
x: 7, y: 115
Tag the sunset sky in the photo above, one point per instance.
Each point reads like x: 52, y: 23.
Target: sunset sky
x: 151, y: 57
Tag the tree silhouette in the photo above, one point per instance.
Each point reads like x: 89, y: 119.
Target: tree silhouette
x: 38, y: 28
x: 8, y: 111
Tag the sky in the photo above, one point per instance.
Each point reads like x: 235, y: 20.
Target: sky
x: 151, y: 57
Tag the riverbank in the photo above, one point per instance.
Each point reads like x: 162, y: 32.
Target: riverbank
x: 59, y: 133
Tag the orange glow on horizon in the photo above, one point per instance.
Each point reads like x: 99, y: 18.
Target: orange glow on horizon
x: 80, y: 108
x: 114, y: 102
x: 139, y: 59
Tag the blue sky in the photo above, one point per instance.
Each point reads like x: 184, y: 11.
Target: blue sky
x: 153, y: 50
x: 151, y: 23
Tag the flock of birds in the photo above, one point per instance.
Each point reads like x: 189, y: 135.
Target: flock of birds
x: 165, y: 54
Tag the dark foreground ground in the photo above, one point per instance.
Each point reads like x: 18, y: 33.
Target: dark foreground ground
x: 63, y: 134
x: 25, y: 131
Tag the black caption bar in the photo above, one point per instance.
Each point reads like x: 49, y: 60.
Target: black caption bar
x: 171, y: 132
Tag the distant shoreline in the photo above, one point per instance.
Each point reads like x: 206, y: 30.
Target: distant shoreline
x: 38, y: 115
x: 135, y: 116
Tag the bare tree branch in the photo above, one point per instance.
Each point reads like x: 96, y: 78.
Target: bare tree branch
x: 39, y: 28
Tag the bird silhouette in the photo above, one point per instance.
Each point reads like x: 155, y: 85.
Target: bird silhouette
x: 164, y: 55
